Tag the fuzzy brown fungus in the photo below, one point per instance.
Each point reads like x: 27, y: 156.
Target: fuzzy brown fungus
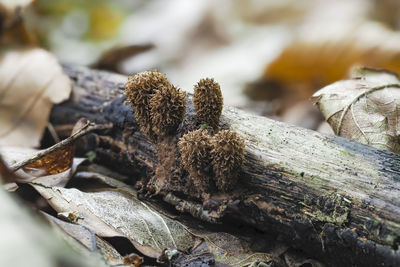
x: 228, y: 151
x: 139, y: 89
x: 167, y: 109
x: 195, y: 149
x: 208, y: 101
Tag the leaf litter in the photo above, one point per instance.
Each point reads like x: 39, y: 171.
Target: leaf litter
x: 16, y: 154
x: 365, y: 108
x: 116, y: 211
x: 24, y: 113
x: 53, y: 166
x: 29, y: 242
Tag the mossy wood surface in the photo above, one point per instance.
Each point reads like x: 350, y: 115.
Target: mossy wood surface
x: 334, y: 199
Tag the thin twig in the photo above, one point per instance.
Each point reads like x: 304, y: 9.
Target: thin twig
x: 87, y: 128
x: 53, y: 132
x: 194, y: 209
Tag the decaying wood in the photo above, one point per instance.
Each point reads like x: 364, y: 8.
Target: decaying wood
x: 334, y: 199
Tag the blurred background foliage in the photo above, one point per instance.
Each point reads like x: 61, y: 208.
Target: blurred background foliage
x: 269, y: 56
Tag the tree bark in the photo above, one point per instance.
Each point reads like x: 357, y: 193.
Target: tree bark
x: 335, y: 199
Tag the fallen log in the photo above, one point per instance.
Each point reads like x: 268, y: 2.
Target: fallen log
x: 332, y: 198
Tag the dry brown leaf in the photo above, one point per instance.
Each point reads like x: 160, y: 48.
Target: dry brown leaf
x: 120, y: 213
x: 59, y: 160
x: 53, y: 163
x: 318, y: 57
x: 365, y: 108
x: 31, y: 81
x: 111, y: 213
x: 12, y: 155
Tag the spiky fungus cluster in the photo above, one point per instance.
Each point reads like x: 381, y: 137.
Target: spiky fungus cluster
x: 208, y: 155
x: 159, y: 106
x: 218, y: 156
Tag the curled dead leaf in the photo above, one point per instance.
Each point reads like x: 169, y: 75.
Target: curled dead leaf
x: 60, y: 159
x: 365, y: 108
x: 53, y: 163
x: 50, y: 167
x: 12, y: 155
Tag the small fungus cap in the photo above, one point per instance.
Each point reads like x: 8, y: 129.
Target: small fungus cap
x: 228, y: 151
x: 208, y: 101
x: 139, y: 89
x: 167, y: 109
